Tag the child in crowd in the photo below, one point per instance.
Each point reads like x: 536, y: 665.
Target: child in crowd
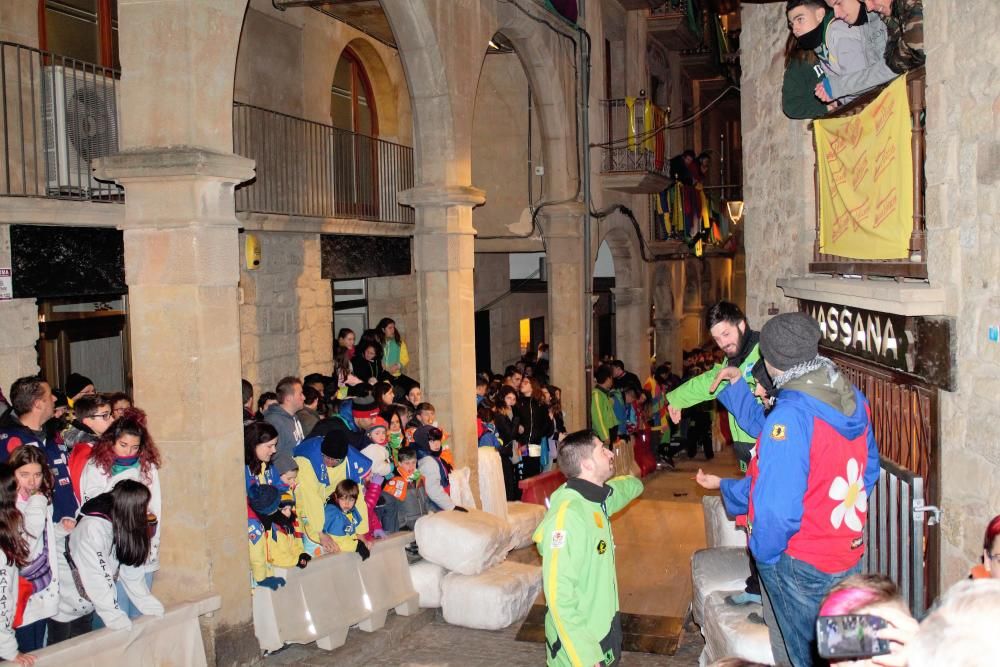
x: 395, y: 417
x: 275, y: 539
x: 381, y: 468
x: 434, y: 463
x: 405, y: 495
x: 126, y: 451
x: 990, y: 567
x: 111, y: 541
x: 285, y: 473
x: 38, y: 587
x: 14, y: 550
x: 347, y: 519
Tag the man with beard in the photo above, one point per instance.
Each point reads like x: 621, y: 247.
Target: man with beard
x: 729, y: 328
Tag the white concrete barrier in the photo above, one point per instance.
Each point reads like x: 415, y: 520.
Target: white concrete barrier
x: 720, y: 529
x: 387, y: 582
x: 174, y: 639
x: 334, y: 592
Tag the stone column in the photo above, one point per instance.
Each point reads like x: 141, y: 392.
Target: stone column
x: 444, y: 260
x: 632, y: 326
x: 181, y: 266
x: 668, y: 342
x: 562, y: 226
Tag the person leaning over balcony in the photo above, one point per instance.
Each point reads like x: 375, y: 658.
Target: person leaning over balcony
x: 904, y: 21
x: 805, y: 495
x: 858, y: 53
x: 798, y: 88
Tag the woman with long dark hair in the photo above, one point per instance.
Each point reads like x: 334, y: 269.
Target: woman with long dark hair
x: 535, y: 425
x: 343, y: 370
x: 111, y: 540
x: 345, y: 341
x: 395, y: 356
x: 127, y: 451
x: 367, y: 363
x: 14, y: 550
x: 506, y: 421
x: 38, y: 598
x: 260, y: 442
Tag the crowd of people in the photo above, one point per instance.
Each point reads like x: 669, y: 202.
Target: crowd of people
x: 839, y: 49
x: 80, y: 508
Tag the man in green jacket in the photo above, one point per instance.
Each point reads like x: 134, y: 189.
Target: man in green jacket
x: 602, y: 405
x: 729, y: 328
x: 583, y: 625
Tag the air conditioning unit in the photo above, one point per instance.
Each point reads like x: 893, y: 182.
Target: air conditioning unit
x: 80, y: 125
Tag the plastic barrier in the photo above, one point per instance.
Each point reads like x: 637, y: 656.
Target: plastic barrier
x: 386, y: 576
x: 729, y: 632
x: 643, y: 447
x: 321, y: 602
x: 719, y: 569
x: 537, y: 489
x: 174, y: 639
x: 720, y: 530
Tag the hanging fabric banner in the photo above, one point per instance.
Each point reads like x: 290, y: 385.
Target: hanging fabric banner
x: 630, y: 124
x: 865, y: 165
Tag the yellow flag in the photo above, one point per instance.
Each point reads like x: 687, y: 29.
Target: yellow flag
x: 866, y: 179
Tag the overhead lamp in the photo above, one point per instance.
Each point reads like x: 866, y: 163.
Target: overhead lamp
x: 735, y: 209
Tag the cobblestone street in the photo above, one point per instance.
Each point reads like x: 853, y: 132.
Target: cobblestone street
x: 404, y: 643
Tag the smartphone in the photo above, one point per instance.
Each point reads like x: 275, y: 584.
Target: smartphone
x: 850, y: 636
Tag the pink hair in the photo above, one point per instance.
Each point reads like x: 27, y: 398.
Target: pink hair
x: 992, y: 530
x: 847, y: 601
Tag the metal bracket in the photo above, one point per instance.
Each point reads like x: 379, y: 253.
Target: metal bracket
x: 935, y: 511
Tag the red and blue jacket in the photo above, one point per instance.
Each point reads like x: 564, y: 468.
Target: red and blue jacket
x: 806, y: 490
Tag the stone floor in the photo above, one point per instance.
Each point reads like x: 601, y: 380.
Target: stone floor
x: 654, y: 578
x: 437, y: 644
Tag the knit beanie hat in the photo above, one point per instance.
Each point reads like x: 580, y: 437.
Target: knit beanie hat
x: 283, y: 463
x: 425, y: 434
x: 287, y: 500
x: 75, y: 384
x: 364, y: 407
x: 334, y: 445
x: 379, y: 423
x: 264, y: 499
x: 789, y: 339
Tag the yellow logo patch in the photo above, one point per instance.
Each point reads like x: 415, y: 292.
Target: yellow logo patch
x: 602, y: 546
x: 598, y: 520
x: 778, y: 432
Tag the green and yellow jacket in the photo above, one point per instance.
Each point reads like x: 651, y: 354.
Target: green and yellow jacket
x: 582, y: 625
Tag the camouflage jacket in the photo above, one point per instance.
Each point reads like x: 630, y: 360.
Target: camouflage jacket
x: 904, y: 49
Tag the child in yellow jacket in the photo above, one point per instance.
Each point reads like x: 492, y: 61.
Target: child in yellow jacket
x: 275, y: 539
x: 347, y: 519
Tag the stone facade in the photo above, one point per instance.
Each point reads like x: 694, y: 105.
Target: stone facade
x: 963, y: 195
x: 286, y: 312
x: 778, y: 188
x: 396, y: 297
x: 18, y: 329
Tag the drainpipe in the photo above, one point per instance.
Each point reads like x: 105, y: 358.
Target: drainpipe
x: 588, y: 260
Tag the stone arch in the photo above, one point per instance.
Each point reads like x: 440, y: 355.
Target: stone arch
x: 442, y: 80
x: 624, y: 249
x: 386, y: 104
x: 544, y: 55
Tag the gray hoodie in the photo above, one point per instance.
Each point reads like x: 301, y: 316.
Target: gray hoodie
x: 288, y: 426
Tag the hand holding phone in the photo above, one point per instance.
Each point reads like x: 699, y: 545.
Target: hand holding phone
x: 850, y: 636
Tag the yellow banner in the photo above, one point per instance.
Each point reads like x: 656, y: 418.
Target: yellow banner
x: 866, y: 179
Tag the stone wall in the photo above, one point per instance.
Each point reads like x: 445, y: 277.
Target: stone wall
x: 18, y: 329
x: 286, y: 312
x: 780, y: 213
x: 492, y: 281
x: 963, y: 197
x: 396, y: 297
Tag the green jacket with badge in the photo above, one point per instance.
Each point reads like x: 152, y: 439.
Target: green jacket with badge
x: 696, y: 390
x: 582, y: 625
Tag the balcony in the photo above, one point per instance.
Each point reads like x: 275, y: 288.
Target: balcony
x: 915, y: 266
x: 639, y: 4
x: 314, y: 170
x: 678, y: 216
x: 634, y: 151
x: 58, y: 115
x: 677, y: 24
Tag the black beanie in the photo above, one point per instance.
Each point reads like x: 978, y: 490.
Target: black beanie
x: 334, y: 445
x: 264, y: 499
x: 789, y: 339
x: 75, y: 384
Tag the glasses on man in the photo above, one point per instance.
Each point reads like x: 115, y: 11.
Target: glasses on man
x: 102, y: 415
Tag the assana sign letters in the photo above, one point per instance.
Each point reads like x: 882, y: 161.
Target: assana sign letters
x: 916, y: 345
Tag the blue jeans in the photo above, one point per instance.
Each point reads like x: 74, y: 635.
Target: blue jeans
x: 796, y: 590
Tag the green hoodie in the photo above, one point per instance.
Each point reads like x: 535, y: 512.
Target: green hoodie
x: 582, y: 625
x: 602, y: 413
x: 696, y: 390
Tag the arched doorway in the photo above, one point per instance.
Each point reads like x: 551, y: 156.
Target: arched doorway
x: 355, y: 151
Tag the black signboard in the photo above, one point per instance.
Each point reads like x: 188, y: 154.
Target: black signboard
x: 919, y: 346
x: 52, y: 262
x: 348, y: 257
